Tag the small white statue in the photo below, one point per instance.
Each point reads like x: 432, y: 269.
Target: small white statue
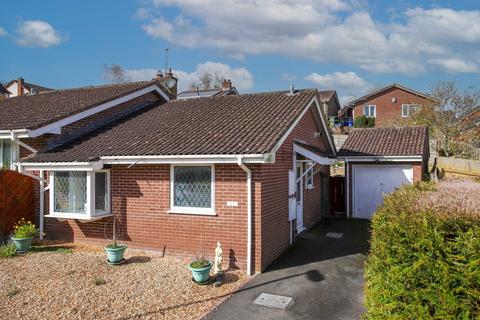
x: 218, y: 258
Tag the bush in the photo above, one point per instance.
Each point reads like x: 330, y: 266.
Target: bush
x: 423, y: 263
x: 7, y: 250
x: 364, y: 122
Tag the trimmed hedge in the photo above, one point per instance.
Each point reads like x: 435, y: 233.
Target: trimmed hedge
x: 364, y: 122
x: 422, y: 264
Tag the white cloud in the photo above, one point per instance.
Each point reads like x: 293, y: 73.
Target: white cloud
x: 348, y: 84
x: 37, y: 33
x: 321, y: 30
x: 456, y: 65
x: 2, y: 32
x: 241, y: 78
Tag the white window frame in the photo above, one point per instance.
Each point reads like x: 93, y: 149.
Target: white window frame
x: 90, y: 212
x: 14, y: 152
x: 309, y: 176
x: 369, y: 106
x: 408, y: 107
x: 192, y: 210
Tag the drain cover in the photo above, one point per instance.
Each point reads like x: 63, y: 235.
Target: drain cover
x: 273, y: 301
x: 334, y: 235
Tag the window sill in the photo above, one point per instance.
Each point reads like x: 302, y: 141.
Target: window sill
x: 191, y: 212
x: 310, y: 188
x: 81, y: 217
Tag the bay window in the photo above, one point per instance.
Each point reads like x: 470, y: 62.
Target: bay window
x: 192, y: 189
x: 79, y: 194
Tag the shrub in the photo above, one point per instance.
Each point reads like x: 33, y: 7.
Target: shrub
x: 364, y: 122
x: 200, y: 263
x: 424, y: 263
x: 7, y: 250
x: 99, y: 281
x: 24, y: 229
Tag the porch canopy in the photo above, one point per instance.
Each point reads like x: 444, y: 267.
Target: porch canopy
x: 313, y: 155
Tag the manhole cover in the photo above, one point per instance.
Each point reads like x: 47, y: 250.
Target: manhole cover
x: 334, y: 235
x: 273, y: 301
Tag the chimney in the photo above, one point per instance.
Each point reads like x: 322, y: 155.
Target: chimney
x: 20, y: 86
x: 168, y: 81
x: 226, y: 85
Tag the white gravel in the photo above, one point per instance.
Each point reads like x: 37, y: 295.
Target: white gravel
x: 55, y: 285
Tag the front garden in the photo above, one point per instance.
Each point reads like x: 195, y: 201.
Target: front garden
x: 73, y: 281
x: 425, y: 253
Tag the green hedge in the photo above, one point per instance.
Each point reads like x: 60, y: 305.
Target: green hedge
x: 422, y: 265
x: 364, y: 122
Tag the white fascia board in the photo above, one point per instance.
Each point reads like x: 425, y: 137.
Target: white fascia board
x: 55, y: 126
x: 198, y: 159
x: 19, y: 133
x: 312, y: 155
x: 62, y: 166
x: 381, y: 158
x: 295, y: 123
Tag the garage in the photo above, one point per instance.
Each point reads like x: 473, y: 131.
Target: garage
x: 372, y: 182
x: 378, y: 161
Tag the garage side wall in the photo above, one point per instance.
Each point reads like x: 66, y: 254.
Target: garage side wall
x: 274, y: 178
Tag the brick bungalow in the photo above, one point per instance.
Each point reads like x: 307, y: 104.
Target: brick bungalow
x: 247, y: 170
x: 379, y: 160
x: 389, y: 105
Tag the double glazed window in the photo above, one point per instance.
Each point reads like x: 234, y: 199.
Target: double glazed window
x: 309, y: 176
x: 80, y: 194
x: 408, y: 109
x: 370, y: 111
x: 192, y: 189
x: 7, y: 153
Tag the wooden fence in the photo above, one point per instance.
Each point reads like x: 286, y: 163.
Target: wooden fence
x: 459, y: 166
x: 17, y: 200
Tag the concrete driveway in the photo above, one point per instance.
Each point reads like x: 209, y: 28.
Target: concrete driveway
x: 323, y: 275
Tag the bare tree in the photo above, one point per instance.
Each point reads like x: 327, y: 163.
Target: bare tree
x: 114, y: 73
x: 209, y: 81
x: 453, y: 117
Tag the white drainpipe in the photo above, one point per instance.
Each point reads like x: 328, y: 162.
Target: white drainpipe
x: 42, y: 204
x: 249, y: 215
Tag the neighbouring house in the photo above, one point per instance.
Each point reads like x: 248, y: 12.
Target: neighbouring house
x: 331, y: 104
x: 388, y: 105
x: 4, y: 93
x: 248, y: 170
x: 379, y: 160
x: 225, y: 90
x: 19, y: 87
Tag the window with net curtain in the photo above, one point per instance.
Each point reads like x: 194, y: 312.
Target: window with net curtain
x: 192, y: 186
x: 70, y: 191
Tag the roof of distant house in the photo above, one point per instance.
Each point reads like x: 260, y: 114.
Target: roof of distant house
x: 393, y: 85
x: 37, y: 88
x: 234, y: 124
x: 34, y: 111
x: 406, y: 141
x: 3, y: 90
x: 201, y: 93
x: 326, y: 95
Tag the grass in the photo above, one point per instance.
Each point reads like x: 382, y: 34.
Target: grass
x: 99, y: 281
x: 57, y: 249
x: 13, y: 292
x: 7, y: 250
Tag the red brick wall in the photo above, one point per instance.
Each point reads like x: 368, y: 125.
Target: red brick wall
x: 275, y: 224
x: 389, y: 112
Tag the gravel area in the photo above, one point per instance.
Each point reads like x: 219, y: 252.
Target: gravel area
x: 54, y: 283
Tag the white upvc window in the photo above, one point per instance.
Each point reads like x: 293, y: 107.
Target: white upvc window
x: 192, y: 189
x: 370, y: 110
x: 8, y: 153
x: 408, y: 109
x: 309, y: 175
x: 81, y: 195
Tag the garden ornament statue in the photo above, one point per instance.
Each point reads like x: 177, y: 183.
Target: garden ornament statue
x: 218, y: 265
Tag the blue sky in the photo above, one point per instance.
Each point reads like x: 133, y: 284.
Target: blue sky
x: 352, y: 46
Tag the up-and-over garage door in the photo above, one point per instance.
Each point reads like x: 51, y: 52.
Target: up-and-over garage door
x: 371, y: 182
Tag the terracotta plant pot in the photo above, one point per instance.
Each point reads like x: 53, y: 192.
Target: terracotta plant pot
x: 22, y: 244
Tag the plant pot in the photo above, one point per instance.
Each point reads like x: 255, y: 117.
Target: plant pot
x: 115, y: 255
x: 201, y: 275
x: 22, y: 244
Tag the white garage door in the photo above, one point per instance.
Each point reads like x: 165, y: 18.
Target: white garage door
x: 371, y: 182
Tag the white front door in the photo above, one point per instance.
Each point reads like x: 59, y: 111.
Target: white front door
x: 299, y: 193
x: 372, y: 182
